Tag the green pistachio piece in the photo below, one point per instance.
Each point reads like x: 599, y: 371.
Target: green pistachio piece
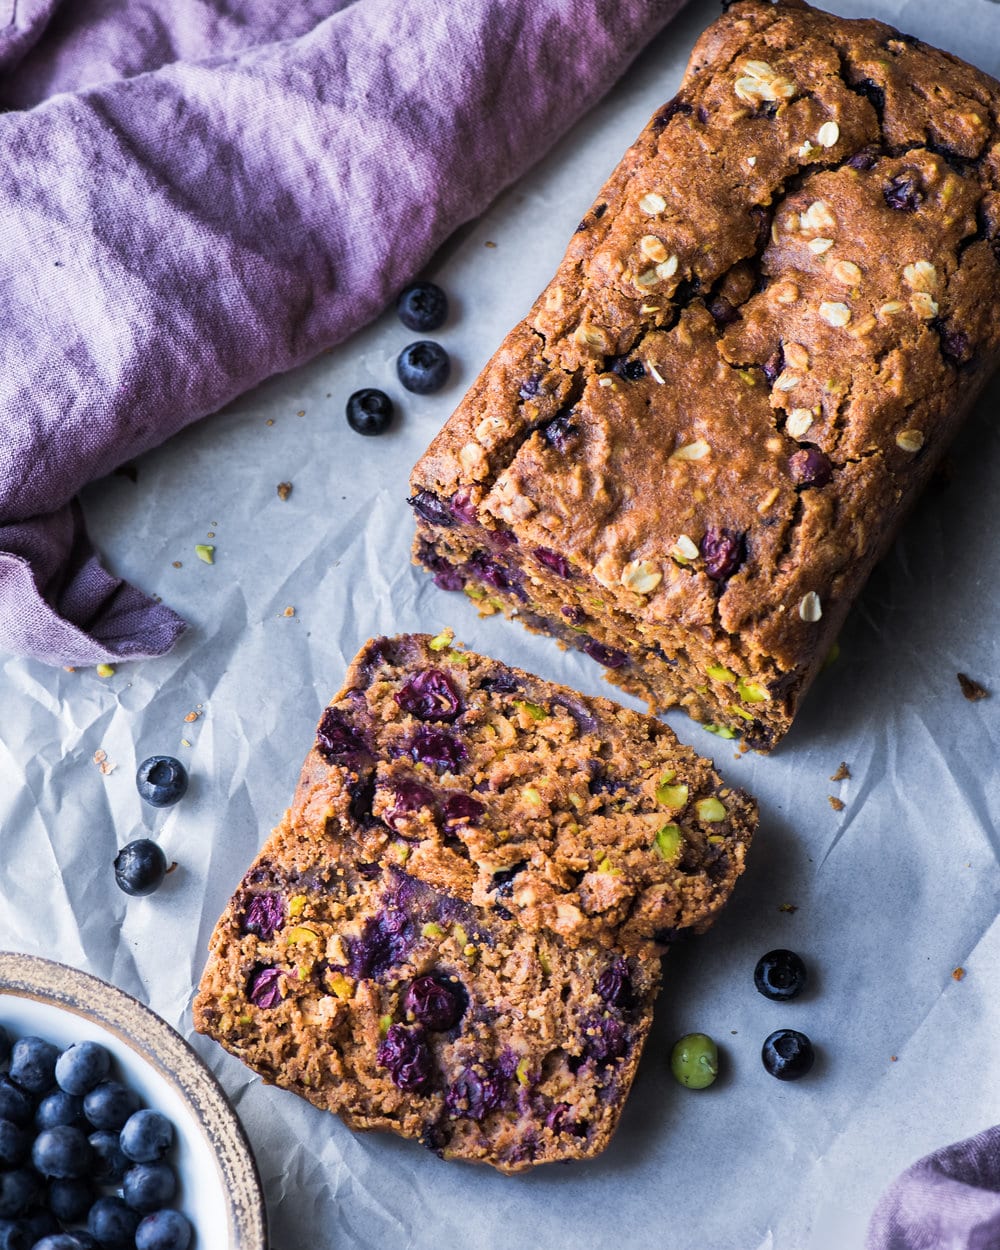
x: 710, y: 809
x: 431, y: 929
x: 205, y: 551
x: 723, y: 731
x: 105, y: 670
x: 672, y: 796
x: 534, y: 710
x: 384, y: 1025
x: 668, y: 842
x: 521, y: 1071
x: 740, y: 711
x: 442, y: 640
x: 750, y: 692
x: 719, y: 672
x: 474, y: 592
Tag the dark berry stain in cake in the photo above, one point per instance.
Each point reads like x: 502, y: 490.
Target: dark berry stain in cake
x: 385, y: 941
x: 671, y: 109
x: 494, y: 574
x: 865, y: 158
x: 474, y: 1094
x: 406, y: 1055
x: 554, y: 561
x: 503, y: 881
x: 610, y: 657
x: 408, y: 797
x: 436, y: 1003
x: 605, y: 1040
x: 438, y: 749
x: 264, y: 915
x: 433, y: 510
x: 573, y: 614
x: 559, y: 434
x: 810, y: 467
x: 531, y: 386
x: 362, y: 794
x: 336, y: 738
x: 773, y: 366
x: 723, y: 551
x: 904, y: 192
x: 614, y: 985
x: 459, y: 809
x: 955, y: 345
x: 264, y: 986
x: 462, y: 507
x: 501, y: 681
x: 430, y: 695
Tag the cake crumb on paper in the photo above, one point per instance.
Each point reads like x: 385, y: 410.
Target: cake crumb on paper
x: 972, y: 690
x: 289, y: 611
x: 843, y: 773
x: 284, y: 490
x: 958, y: 974
x: 191, y: 717
x: 838, y: 805
x: 103, y: 763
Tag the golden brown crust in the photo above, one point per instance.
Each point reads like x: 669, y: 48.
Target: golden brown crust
x: 760, y: 341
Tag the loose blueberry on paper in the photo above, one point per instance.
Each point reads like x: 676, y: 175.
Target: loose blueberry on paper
x: 54, y: 1179
x: 161, y: 780
x: 423, y: 307
x: 369, y: 411
x: 423, y: 367
x: 140, y: 867
x: 787, y: 1054
x: 780, y: 975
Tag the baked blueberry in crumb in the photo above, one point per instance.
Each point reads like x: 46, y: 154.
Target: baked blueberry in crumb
x: 264, y: 915
x: 904, y: 192
x: 430, y: 695
x: 723, y: 551
x: 810, y: 467
x: 433, y: 510
x: 264, y: 989
x: 405, y: 1053
x: 436, y: 1003
x: 437, y: 748
x: 336, y: 738
x: 554, y: 561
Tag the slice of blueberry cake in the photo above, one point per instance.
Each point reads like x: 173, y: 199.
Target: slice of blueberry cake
x: 568, y: 813
x: 400, y: 1007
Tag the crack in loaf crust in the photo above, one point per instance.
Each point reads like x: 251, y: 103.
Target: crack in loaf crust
x: 689, y: 456
x: 455, y: 932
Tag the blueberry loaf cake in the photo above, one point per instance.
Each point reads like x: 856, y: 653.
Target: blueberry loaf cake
x: 400, y: 1007
x: 688, y: 457
x: 562, y: 812
x: 419, y: 946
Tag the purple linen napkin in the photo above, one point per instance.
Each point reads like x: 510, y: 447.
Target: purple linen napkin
x: 949, y: 1200
x: 175, y: 230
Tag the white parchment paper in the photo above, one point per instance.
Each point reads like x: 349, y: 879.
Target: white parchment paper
x: 892, y: 893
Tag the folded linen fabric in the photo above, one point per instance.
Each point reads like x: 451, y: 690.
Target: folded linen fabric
x: 949, y: 1200
x: 174, y: 230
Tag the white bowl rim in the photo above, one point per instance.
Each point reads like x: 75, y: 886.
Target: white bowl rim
x: 172, y: 1058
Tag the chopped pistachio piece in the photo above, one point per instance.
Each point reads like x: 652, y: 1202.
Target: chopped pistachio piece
x: 105, y: 670
x: 461, y: 937
x: 301, y: 934
x: 205, y: 551
x: 384, y: 1025
x: 340, y: 985
x: 522, y: 1071
x: 751, y: 692
x: 546, y: 965
x: 442, y: 640
x: 722, y: 731
x: 719, y: 672
x: 430, y: 929
x: 532, y: 795
x: 534, y: 710
x: 295, y: 905
x: 740, y: 711
x: 716, y: 839
x: 672, y: 796
x: 710, y: 809
x: 668, y: 841
x: 474, y: 592
x: 607, y: 867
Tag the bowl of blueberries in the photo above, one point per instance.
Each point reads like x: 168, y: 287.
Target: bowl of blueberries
x: 113, y: 1133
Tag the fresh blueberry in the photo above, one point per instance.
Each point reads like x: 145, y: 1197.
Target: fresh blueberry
x: 110, y: 1164
x: 787, y: 1054
x: 163, y: 1230
x: 110, y: 1104
x: 32, y: 1064
x: 82, y: 1066
x: 19, y: 1189
x: 435, y: 1003
x: 14, y: 1237
x: 149, y: 1186
x: 161, y: 780
x: 15, y: 1142
x: 422, y: 307
x: 369, y: 411
x: 423, y: 367
x: 62, y: 1152
x: 147, y: 1136
x: 407, y: 1056
x: 59, y: 1241
x: 780, y: 975
x: 113, y: 1224
x: 40, y: 1223
x: 140, y: 867
x: 70, y: 1199
x: 59, y: 1108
